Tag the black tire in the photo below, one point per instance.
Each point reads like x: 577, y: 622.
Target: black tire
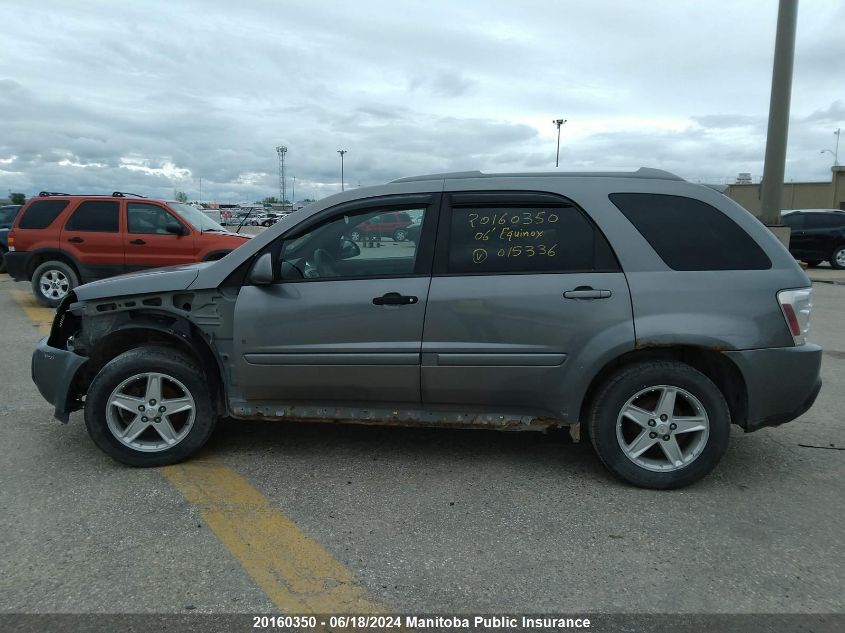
x: 838, y: 256
x: 611, y: 397
x: 2, y: 261
x: 355, y: 235
x: 137, y: 361
x: 813, y: 263
x: 400, y: 235
x: 61, y: 271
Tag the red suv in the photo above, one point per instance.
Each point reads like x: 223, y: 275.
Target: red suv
x: 393, y: 225
x: 59, y: 241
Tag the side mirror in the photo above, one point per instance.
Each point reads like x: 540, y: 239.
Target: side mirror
x: 262, y: 271
x: 176, y: 229
x: 348, y: 249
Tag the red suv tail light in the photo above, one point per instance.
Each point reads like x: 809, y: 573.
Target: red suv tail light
x: 10, y: 239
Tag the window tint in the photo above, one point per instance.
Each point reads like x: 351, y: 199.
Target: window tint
x: 519, y: 239
x: 41, y: 213
x: 689, y: 234
x: 824, y: 220
x: 794, y: 220
x: 95, y: 215
x: 341, y: 248
x: 149, y: 219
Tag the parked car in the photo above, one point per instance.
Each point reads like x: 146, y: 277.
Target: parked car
x: 58, y: 241
x: 413, y: 232
x: 392, y: 224
x: 637, y: 309
x: 817, y: 235
x: 8, y: 213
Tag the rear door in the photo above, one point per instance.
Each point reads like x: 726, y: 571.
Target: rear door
x: 342, y: 323
x: 823, y: 231
x: 523, y: 283
x: 93, y: 235
x: 149, y: 243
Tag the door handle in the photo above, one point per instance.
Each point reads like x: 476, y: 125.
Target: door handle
x: 394, y: 299
x: 75, y: 240
x: 138, y: 241
x: 586, y: 292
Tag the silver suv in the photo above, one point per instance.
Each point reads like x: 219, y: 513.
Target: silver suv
x: 637, y: 309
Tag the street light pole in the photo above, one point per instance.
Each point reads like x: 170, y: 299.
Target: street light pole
x: 834, y: 153
x: 558, y: 123
x: 773, y: 168
x: 341, y: 152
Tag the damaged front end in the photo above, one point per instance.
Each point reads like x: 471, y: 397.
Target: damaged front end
x: 55, y: 365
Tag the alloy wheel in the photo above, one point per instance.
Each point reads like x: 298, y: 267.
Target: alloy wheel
x: 54, y: 284
x: 662, y: 428
x: 150, y: 412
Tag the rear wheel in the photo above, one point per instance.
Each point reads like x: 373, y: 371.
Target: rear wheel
x: 150, y: 406
x: 52, y: 281
x: 355, y: 235
x: 837, y: 260
x: 400, y: 235
x: 659, y: 424
x: 2, y: 260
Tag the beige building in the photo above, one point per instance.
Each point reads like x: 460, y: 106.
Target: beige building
x: 796, y: 195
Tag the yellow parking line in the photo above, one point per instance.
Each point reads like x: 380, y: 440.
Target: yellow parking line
x: 39, y: 315
x: 295, y: 572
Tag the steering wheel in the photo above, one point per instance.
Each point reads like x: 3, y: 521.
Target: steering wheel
x: 324, y: 263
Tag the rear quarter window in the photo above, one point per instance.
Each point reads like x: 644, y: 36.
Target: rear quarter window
x: 689, y: 234
x: 41, y: 213
x: 95, y: 215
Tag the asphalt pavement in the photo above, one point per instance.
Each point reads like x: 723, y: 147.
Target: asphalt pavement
x: 422, y: 520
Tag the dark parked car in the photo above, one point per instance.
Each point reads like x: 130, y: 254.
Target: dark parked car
x: 817, y: 235
x: 648, y: 313
x: 8, y: 213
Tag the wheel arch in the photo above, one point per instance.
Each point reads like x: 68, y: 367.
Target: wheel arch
x: 165, y: 329
x: 41, y: 256
x: 716, y: 366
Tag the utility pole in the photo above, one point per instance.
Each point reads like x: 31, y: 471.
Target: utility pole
x: 558, y: 123
x: 341, y: 152
x: 281, y: 150
x: 293, y: 192
x: 773, y: 168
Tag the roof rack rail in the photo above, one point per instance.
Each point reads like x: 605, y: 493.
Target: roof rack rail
x: 642, y: 172
x: 47, y: 194
x: 124, y: 194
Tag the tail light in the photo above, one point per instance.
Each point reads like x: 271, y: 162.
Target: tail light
x: 10, y: 240
x: 796, y: 306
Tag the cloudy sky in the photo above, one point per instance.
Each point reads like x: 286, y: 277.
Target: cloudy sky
x: 153, y: 96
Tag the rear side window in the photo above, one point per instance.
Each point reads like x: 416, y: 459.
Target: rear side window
x: 824, y: 220
x: 794, y: 220
x: 95, y: 215
x: 41, y: 213
x: 524, y: 240
x: 689, y: 234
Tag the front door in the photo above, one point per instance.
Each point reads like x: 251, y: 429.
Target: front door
x: 150, y: 242
x: 342, y: 322
x: 521, y: 287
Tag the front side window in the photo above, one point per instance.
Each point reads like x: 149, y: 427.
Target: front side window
x: 689, y: 234
x: 148, y: 219
x: 95, y: 215
x: 342, y: 248
x: 502, y: 239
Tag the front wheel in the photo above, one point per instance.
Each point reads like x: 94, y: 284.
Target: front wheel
x: 150, y: 406
x: 659, y: 424
x: 52, y: 281
x: 837, y: 260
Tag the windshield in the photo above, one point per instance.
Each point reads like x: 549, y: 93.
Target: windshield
x: 195, y: 217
